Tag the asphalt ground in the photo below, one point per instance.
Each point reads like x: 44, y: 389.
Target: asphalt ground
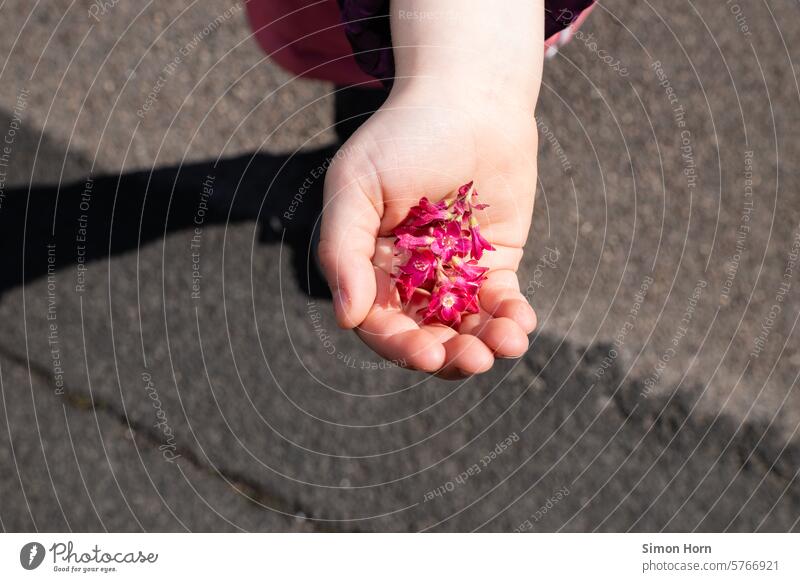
x: 166, y: 378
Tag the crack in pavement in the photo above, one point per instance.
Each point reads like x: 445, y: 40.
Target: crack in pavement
x: 254, y: 492
x: 672, y: 417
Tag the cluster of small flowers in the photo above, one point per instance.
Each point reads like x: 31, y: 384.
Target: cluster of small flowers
x: 442, y: 244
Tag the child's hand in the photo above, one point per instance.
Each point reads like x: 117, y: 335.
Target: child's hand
x: 424, y: 143
x: 461, y: 109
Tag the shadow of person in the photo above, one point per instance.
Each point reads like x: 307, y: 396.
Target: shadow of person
x: 51, y: 227
x: 54, y: 227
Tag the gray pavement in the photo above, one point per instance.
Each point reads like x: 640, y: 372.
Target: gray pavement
x: 658, y: 393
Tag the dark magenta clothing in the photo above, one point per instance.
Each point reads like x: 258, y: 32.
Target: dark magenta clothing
x: 310, y: 37
x: 306, y: 37
x: 367, y: 28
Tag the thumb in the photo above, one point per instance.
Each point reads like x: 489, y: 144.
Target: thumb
x: 350, y: 223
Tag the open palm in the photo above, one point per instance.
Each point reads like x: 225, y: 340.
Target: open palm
x: 424, y: 145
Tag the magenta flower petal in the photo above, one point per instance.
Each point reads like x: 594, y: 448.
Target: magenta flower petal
x: 423, y: 214
x: 479, y: 244
x: 447, y: 304
x: 410, y: 242
x: 440, y: 244
x: 420, y: 267
x: 450, y: 241
x: 405, y: 288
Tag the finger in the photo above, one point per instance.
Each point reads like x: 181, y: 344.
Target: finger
x: 441, y: 332
x: 501, y: 297
x: 396, y: 337
x: 466, y: 355
x: 350, y: 225
x: 502, y: 335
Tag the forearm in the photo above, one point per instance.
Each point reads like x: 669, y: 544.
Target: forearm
x: 491, y: 50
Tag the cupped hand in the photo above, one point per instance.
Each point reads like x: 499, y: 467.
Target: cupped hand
x: 423, y: 142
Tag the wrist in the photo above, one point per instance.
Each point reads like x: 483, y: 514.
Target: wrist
x: 479, y: 94
x: 471, y: 50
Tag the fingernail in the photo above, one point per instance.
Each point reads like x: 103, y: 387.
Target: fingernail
x: 341, y: 303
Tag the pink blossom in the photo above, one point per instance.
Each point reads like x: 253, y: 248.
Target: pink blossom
x: 421, y: 215
x: 441, y: 244
x: 450, y: 241
x: 405, y: 288
x: 421, y: 267
x: 447, y: 304
x: 428, y: 212
x: 468, y: 273
x: 479, y: 244
x: 410, y: 242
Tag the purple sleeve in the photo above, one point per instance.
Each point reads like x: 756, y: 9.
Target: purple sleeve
x: 367, y: 27
x: 366, y: 24
x: 559, y: 14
